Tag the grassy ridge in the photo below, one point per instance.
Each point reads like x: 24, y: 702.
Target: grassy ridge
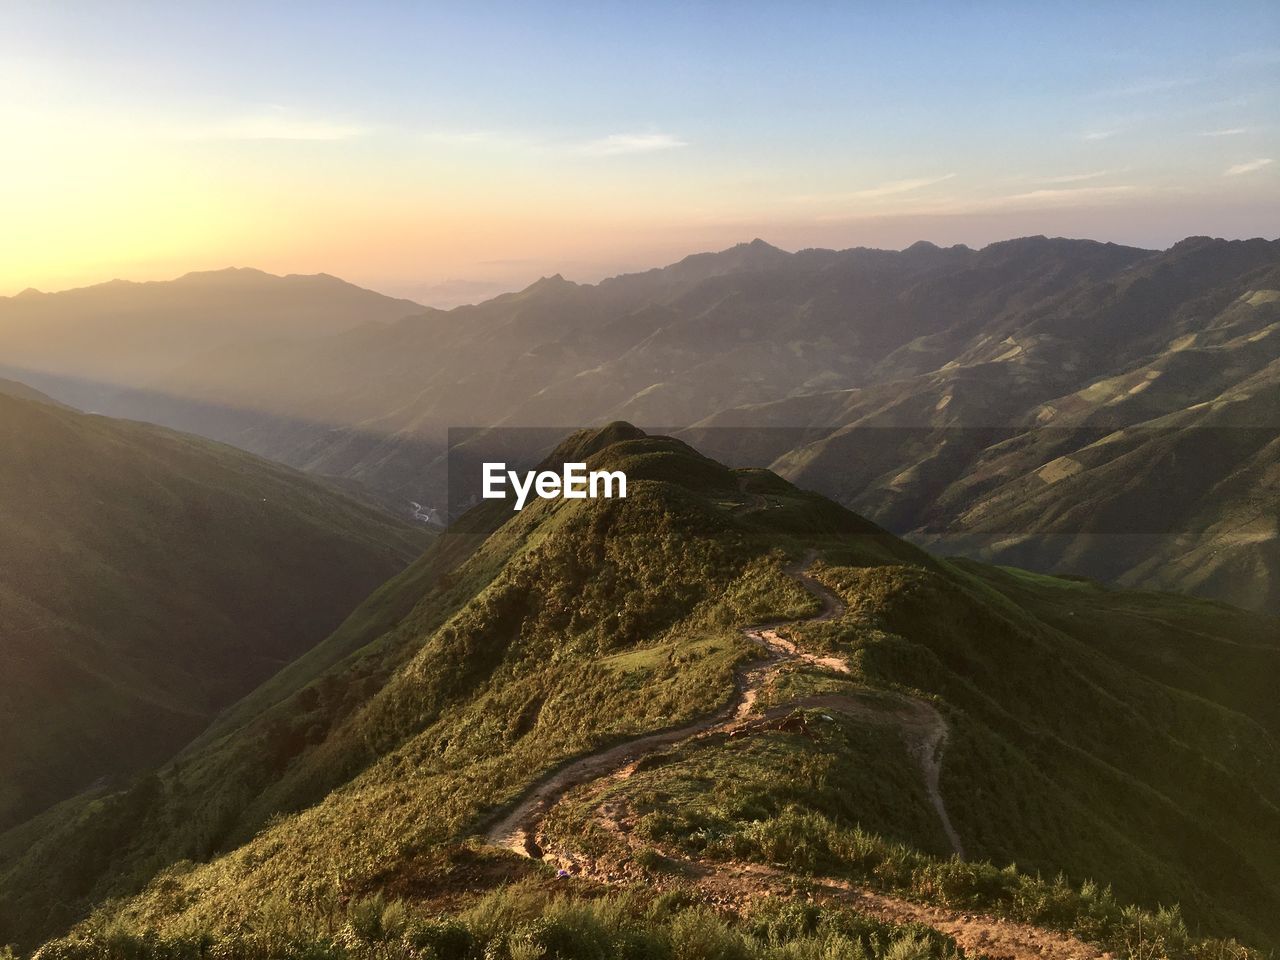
x: 1060, y: 759
x: 573, y: 625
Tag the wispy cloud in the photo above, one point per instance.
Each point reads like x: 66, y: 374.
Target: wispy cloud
x: 1229, y: 132
x: 1092, y: 135
x: 614, y: 145
x: 894, y: 187
x: 1075, y: 177
x: 1067, y: 194
x: 272, y: 125
x: 1049, y: 198
x: 1249, y: 166
x: 902, y: 192
x: 618, y: 144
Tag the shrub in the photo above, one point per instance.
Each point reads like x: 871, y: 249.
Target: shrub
x: 364, y: 917
x: 444, y: 938
x: 698, y: 934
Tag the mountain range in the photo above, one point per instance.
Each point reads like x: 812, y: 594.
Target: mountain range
x: 722, y: 717
x: 86, y: 344
x: 1065, y: 405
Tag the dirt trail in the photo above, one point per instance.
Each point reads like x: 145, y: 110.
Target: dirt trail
x: 921, y: 725
x: 923, y: 728
x: 514, y: 829
x: 737, y: 885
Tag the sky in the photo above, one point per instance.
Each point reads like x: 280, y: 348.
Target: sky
x: 449, y: 151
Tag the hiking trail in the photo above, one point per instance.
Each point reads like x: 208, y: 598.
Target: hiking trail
x: 923, y: 728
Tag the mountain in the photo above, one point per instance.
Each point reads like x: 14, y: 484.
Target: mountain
x: 147, y: 580
x: 559, y: 734
x: 959, y: 397
x: 1131, y: 433
x: 86, y: 344
x: 20, y: 391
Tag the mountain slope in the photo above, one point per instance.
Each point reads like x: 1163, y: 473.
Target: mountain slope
x: 927, y: 388
x: 671, y: 346
x: 1156, y: 470
x: 1128, y: 738
x: 86, y: 345
x: 20, y: 391
x: 149, y: 578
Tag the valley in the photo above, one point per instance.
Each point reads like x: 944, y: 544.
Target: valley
x: 149, y: 579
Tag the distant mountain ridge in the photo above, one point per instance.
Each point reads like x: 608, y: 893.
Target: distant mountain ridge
x: 833, y: 350
x: 20, y: 391
x: 91, y: 341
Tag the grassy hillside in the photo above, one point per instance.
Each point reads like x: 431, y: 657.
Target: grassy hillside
x: 1160, y: 472
x: 1092, y: 734
x: 147, y: 580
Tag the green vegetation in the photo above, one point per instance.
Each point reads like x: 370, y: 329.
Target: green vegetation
x: 828, y: 804
x: 1077, y: 749
x: 493, y: 671
x: 147, y: 580
x: 533, y: 921
x: 337, y: 809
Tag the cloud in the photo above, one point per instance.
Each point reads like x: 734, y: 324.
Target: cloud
x: 894, y: 187
x: 273, y: 125
x: 1230, y: 132
x: 1075, y: 177
x: 1248, y: 166
x: 614, y: 145
x: 1032, y: 200
x: 1066, y: 195
x: 619, y: 144
x: 1098, y: 135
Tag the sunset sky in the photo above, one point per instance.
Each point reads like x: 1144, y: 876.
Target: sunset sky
x: 419, y: 148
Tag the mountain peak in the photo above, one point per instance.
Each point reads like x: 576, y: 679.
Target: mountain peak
x: 757, y: 248
x: 556, y: 280
x: 556, y: 283
x: 751, y: 254
x: 224, y: 274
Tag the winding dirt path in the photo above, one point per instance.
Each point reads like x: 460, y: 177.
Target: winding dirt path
x: 923, y: 728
